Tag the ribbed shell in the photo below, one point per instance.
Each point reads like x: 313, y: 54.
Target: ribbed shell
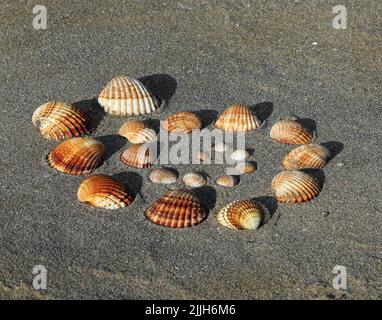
x: 227, y: 181
x: 163, y: 176
x: 241, y: 215
x: 139, y: 156
x: 290, y: 132
x: 126, y: 96
x: 137, y: 132
x: 295, y: 186
x: 104, y: 192
x: 194, y: 180
x: 176, y: 209
x: 57, y: 120
x: 182, y: 122
x: 237, y: 118
x: 306, y: 156
x: 239, y: 155
x: 77, y: 156
x: 246, y: 167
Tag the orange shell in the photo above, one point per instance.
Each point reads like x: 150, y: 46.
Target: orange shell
x: 140, y: 155
x: 246, y: 167
x: 176, y: 209
x: 237, y: 117
x: 182, y: 122
x: 137, y: 132
x: 290, y: 132
x: 77, y: 156
x: 306, y: 156
x: 227, y: 181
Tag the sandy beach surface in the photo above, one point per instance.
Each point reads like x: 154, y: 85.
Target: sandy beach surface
x: 280, y: 57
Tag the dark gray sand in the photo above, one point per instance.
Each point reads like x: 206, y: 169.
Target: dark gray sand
x: 199, y: 55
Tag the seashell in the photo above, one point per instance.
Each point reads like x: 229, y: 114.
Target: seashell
x: 241, y: 215
x: 176, y: 209
x: 137, y: 132
x: 182, y: 122
x: 59, y: 120
x: 203, y: 155
x: 246, y: 167
x: 221, y: 147
x: 77, y: 156
x: 126, y: 96
x: 295, y: 186
x: 227, y: 181
x: 140, y: 155
x: 290, y: 132
x: 194, y: 180
x: 163, y: 176
x: 306, y: 156
x: 104, y: 192
x: 237, y: 117
x: 240, y: 155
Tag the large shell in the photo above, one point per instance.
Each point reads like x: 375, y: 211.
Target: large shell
x: 227, y: 181
x: 140, y: 155
x: 237, y: 117
x: 104, y: 192
x: 194, y: 180
x: 59, y: 120
x: 295, y: 186
x: 137, y: 132
x: 176, y: 209
x: 77, y: 156
x: 163, y: 176
x: 241, y: 215
x: 182, y: 122
x: 290, y: 132
x: 306, y: 156
x: 126, y: 96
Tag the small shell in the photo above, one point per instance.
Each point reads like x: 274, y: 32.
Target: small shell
x: 306, y: 156
x: 239, y: 155
x: 126, y: 96
x: 237, y: 118
x: 295, y: 186
x: 176, y: 209
x: 140, y: 155
x: 104, y: 192
x: 163, y: 176
x: 59, y: 120
x: 137, y: 132
x: 182, y: 122
x: 227, y: 181
x: 241, y: 215
x: 246, y: 167
x: 194, y: 180
x: 221, y: 147
x: 203, y: 155
x: 77, y: 156
x: 290, y: 132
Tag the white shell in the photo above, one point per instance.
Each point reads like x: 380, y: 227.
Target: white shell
x: 239, y: 155
x: 221, y: 147
x: 194, y: 180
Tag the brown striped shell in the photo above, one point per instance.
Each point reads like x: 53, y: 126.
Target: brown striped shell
x: 176, y: 209
x: 59, y: 120
x: 77, y: 156
x: 227, y: 181
x: 241, y: 215
x: 163, y: 176
x: 290, y: 132
x: 194, y: 180
x: 237, y: 117
x: 182, y: 122
x: 306, y: 156
x: 137, y: 132
x: 295, y: 186
x: 246, y: 167
x: 104, y: 192
x: 126, y: 96
x: 140, y: 155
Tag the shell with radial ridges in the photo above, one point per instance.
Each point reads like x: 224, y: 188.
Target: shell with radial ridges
x: 137, y: 132
x: 237, y: 117
x: 313, y: 156
x: 140, y: 155
x: 182, y: 122
x: 163, y: 176
x: 290, y: 132
x: 227, y: 181
x: 194, y: 180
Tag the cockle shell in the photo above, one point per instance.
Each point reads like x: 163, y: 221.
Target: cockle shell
x: 295, y: 186
x: 176, y: 209
x: 182, y: 122
x: 246, y: 167
x: 241, y: 215
x: 137, y: 132
x: 194, y: 180
x: 237, y: 117
x: 306, y: 156
x: 163, y: 176
x: 239, y: 155
x: 104, y: 192
x: 77, y: 156
x: 290, y: 132
x: 227, y: 181
x: 140, y: 155
x: 59, y: 120
x: 126, y: 96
